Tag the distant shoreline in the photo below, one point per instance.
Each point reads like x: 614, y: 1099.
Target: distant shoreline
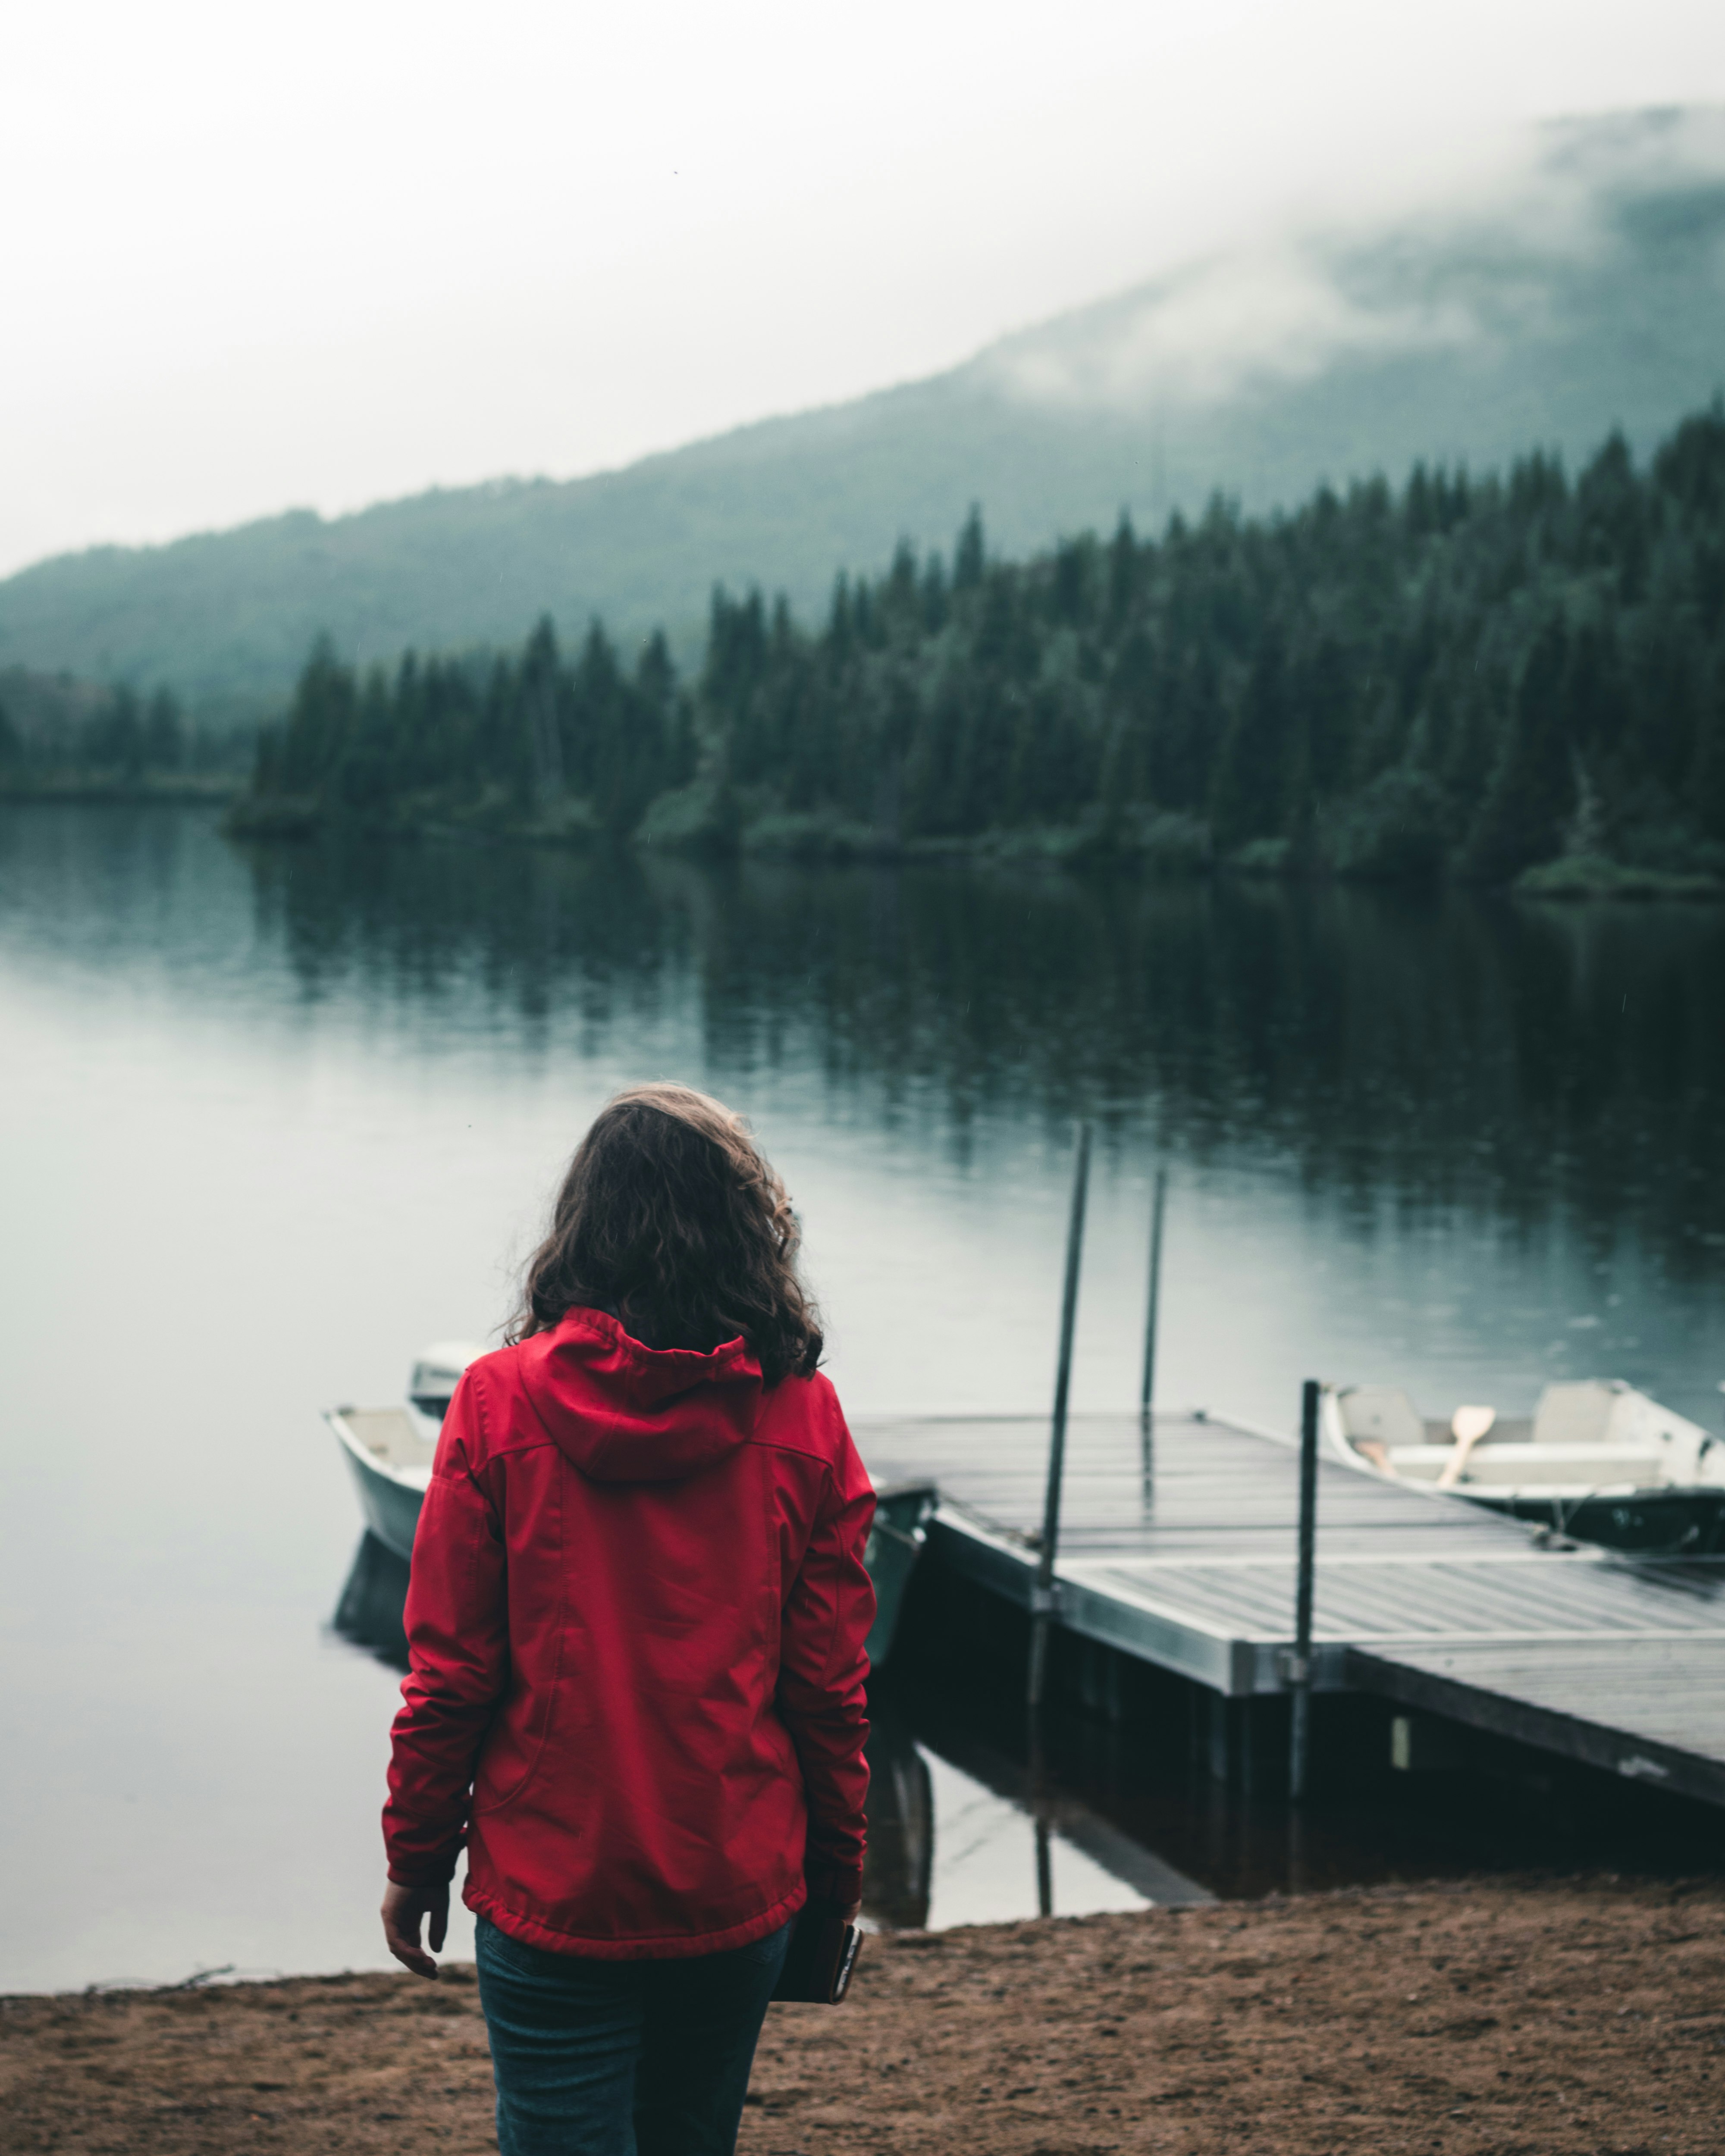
x: 1169, y: 846
x: 167, y: 790
x: 815, y: 842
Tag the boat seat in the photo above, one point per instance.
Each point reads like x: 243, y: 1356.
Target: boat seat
x: 1574, y: 1413
x: 1506, y: 1466
x: 1382, y: 1414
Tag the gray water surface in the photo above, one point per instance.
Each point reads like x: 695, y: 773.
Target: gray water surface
x: 271, y: 1121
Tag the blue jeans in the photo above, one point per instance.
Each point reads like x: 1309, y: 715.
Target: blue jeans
x: 622, y: 2058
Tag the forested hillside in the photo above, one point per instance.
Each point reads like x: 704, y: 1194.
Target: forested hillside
x: 1473, y: 333
x: 1470, y: 675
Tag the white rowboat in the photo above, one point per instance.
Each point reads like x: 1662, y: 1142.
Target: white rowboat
x: 1596, y: 1459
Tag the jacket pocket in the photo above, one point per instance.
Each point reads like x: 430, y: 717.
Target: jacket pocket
x: 487, y: 1801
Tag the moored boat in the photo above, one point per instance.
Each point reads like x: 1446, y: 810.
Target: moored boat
x: 390, y: 1450
x: 1596, y: 1459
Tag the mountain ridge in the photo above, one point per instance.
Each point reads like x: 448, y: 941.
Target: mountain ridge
x: 1592, y: 294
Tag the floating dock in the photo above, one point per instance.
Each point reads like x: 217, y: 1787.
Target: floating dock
x: 1177, y: 1547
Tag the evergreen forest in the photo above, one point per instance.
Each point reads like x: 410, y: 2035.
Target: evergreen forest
x: 1476, y: 676
x: 62, y: 737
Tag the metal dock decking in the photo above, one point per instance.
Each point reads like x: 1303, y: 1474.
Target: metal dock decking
x: 1180, y: 1550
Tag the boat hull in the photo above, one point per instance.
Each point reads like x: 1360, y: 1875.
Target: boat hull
x: 1648, y: 1522
x: 1597, y: 1461
x: 391, y: 1507
x: 891, y: 1553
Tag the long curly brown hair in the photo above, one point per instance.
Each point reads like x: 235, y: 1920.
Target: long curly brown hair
x: 670, y: 1212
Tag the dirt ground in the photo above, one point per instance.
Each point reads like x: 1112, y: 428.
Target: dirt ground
x: 1508, y: 2017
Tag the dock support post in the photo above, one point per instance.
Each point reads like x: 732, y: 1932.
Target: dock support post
x: 1042, y: 1592
x: 1219, y: 1718
x: 1250, y: 1747
x: 1147, y: 1390
x: 1039, y: 1810
x: 1300, y: 1743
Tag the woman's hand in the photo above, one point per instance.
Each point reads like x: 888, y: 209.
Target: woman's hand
x: 404, y: 1909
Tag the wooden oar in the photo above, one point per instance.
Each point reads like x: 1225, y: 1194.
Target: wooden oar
x: 1467, y: 1426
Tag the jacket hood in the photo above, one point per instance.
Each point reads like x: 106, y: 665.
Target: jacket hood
x: 624, y: 1413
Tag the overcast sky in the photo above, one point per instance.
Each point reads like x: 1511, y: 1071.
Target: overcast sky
x: 261, y: 256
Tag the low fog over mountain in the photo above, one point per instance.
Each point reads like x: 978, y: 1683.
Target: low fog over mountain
x: 1591, y: 294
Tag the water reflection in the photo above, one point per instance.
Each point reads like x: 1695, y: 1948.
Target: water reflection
x: 898, y: 1874
x: 1405, y: 1051
x: 370, y: 1611
x: 1416, y: 1051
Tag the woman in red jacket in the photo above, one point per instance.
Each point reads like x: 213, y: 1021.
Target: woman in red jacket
x: 636, y: 1620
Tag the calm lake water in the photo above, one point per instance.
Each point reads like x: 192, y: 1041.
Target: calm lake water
x: 270, y: 1121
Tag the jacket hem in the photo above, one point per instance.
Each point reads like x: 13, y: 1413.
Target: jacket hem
x: 669, y: 1946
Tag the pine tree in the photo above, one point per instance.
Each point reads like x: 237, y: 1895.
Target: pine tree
x: 1122, y: 573
x: 667, y: 710
x: 1249, y: 792
x: 935, y: 607
x: 318, y: 722
x: 537, y: 690
x: 362, y: 780
x: 1531, y: 788
x: 969, y: 556
x: 113, y: 740
x: 164, y: 736
x: 1707, y: 778
x: 1074, y: 582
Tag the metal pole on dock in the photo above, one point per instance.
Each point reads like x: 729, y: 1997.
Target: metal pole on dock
x: 1042, y: 1592
x: 1300, y: 1742
x: 1147, y: 1389
x: 1040, y: 1812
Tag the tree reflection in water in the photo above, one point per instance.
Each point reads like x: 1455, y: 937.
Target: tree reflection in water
x: 1430, y: 1049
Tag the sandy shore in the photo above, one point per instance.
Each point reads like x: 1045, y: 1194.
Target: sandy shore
x: 1585, y: 2016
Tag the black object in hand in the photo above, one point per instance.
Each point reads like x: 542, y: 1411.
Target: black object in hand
x: 821, y: 1955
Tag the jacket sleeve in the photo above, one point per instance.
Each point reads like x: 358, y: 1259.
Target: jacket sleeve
x: 822, y: 1672
x: 458, y: 1650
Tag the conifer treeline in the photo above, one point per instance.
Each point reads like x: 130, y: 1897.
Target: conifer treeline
x: 494, y: 739
x: 79, y: 731
x: 1475, y: 674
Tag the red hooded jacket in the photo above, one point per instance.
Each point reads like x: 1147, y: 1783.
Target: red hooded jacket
x: 636, y: 1621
